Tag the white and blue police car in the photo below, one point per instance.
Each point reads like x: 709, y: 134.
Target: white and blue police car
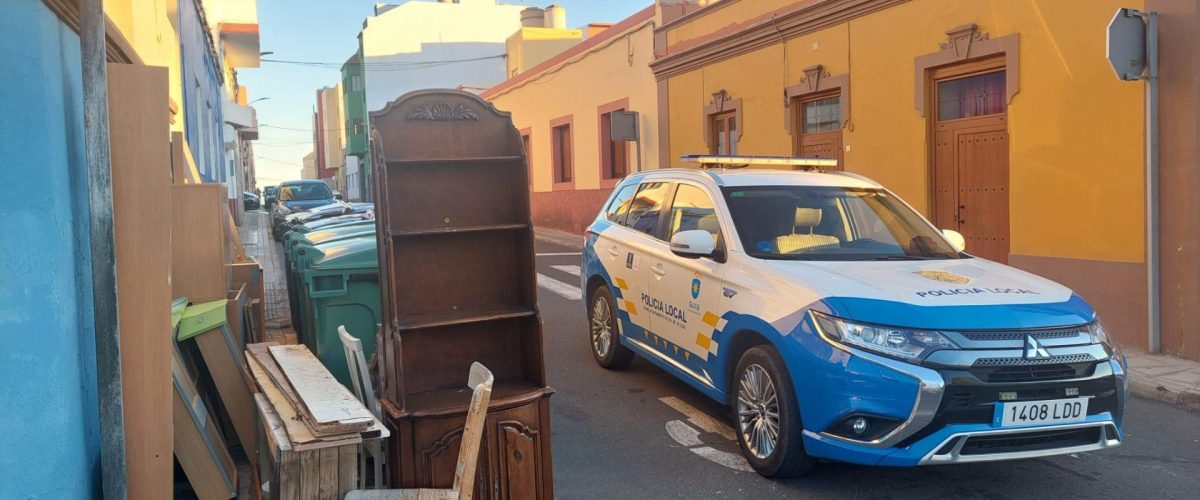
x: 838, y: 323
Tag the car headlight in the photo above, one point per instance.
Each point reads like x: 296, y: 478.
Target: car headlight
x: 901, y: 343
x: 1096, y: 331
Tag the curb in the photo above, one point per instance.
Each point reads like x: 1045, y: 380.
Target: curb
x: 1147, y: 389
x: 563, y: 238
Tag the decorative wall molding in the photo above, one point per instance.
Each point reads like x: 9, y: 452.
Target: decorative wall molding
x: 966, y: 43
x: 442, y: 112
x: 762, y: 31
x: 722, y: 102
x: 817, y: 80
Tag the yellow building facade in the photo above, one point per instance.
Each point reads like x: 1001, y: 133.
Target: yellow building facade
x: 562, y: 107
x: 1002, y: 121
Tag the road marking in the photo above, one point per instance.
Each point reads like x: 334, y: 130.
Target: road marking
x: 700, y: 419
x: 689, y: 436
x: 571, y: 269
x: 565, y: 290
x: 556, y: 254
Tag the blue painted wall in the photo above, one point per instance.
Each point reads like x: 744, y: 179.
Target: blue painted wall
x: 202, y: 99
x: 49, y: 424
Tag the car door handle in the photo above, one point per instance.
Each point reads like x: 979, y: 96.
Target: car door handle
x: 613, y: 252
x: 659, y: 270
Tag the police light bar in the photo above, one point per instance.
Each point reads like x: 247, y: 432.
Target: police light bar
x: 727, y: 161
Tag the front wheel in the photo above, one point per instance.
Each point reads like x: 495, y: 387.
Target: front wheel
x: 602, y: 325
x: 767, y: 416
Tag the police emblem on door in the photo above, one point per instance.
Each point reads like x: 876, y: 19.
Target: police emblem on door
x: 695, y: 288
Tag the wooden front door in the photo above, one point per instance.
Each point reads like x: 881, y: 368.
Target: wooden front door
x: 970, y: 160
x: 819, y: 128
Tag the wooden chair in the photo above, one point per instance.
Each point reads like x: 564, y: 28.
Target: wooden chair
x: 364, y: 390
x: 480, y: 381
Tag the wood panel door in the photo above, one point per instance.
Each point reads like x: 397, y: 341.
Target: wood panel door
x: 818, y: 127
x: 971, y: 183
x: 970, y: 161
x: 822, y: 145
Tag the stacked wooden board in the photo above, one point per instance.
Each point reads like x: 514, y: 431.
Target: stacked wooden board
x: 312, y: 425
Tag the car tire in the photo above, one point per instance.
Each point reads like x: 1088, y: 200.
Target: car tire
x: 763, y: 398
x: 603, y: 335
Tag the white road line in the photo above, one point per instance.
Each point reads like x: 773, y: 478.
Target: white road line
x: 567, y: 291
x: 571, y: 269
x: 731, y: 460
x: 556, y: 254
x: 684, y: 434
x: 700, y: 419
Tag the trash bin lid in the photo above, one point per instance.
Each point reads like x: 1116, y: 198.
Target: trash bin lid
x: 344, y: 220
x: 317, y: 237
x: 356, y: 253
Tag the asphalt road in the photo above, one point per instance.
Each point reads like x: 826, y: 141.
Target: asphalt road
x: 641, y: 433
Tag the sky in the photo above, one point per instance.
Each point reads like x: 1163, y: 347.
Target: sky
x: 326, y: 31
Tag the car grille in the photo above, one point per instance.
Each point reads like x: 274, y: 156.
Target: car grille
x: 1058, y: 333
x: 1033, y: 370
x: 1030, y: 441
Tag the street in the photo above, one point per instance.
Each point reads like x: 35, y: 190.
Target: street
x: 643, y: 434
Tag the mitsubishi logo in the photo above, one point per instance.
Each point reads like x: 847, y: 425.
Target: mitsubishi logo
x: 1034, y: 350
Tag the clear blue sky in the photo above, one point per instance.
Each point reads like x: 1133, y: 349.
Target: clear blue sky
x: 326, y: 31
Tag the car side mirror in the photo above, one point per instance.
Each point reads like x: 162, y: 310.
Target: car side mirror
x: 955, y: 238
x: 692, y: 244
x: 337, y: 195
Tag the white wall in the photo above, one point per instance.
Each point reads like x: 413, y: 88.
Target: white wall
x: 423, y: 32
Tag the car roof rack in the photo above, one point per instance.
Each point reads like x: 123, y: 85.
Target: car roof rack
x: 734, y: 161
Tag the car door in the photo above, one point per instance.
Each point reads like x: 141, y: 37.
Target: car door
x: 686, y: 291
x: 623, y: 248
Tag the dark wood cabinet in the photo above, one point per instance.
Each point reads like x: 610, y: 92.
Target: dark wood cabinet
x: 456, y: 257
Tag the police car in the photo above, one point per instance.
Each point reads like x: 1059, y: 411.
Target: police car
x: 838, y: 323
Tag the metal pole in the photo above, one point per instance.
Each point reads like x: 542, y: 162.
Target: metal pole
x: 1152, y: 229
x: 104, y: 266
x: 637, y: 132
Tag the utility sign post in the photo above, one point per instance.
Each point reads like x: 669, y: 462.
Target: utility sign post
x: 1132, y: 51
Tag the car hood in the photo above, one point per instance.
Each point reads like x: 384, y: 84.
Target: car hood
x: 971, y: 293
x: 295, y: 205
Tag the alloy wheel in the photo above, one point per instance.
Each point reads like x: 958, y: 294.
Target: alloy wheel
x: 758, y: 411
x: 601, y: 327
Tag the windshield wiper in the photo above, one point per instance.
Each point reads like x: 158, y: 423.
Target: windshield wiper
x: 894, y: 257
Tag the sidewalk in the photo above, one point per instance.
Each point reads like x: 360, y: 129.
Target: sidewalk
x: 1155, y: 376
x: 256, y: 237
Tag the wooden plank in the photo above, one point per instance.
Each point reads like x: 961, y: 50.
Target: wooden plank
x: 251, y: 274
x: 329, y: 404
x: 183, y: 166
x: 138, y: 113
x: 299, y: 435
x: 226, y: 371
x: 347, y: 469
x: 198, y: 242
x: 235, y: 315
x: 310, y: 474
x: 198, y: 447
x: 328, y: 487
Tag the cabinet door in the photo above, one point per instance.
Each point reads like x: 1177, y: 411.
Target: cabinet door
x: 516, y: 444
x: 437, y: 445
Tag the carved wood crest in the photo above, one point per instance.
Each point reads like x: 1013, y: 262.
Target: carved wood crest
x: 812, y: 77
x: 960, y: 38
x: 442, y: 112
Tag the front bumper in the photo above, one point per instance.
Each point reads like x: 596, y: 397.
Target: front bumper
x: 951, y: 418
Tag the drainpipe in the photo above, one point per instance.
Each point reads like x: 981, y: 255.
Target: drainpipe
x: 104, y: 265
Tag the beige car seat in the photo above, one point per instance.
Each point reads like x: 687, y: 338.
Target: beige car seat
x: 802, y: 237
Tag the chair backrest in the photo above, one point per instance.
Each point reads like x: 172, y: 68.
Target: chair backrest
x: 480, y: 381
x: 360, y: 374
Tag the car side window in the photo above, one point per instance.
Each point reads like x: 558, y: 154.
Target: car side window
x: 693, y: 209
x: 620, y: 203
x: 645, y: 208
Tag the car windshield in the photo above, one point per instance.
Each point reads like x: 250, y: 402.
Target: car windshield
x: 270, y: 190
x: 305, y: 192
x: 832, y: 223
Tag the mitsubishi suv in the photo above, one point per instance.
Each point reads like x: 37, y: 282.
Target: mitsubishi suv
x: 838, y: 323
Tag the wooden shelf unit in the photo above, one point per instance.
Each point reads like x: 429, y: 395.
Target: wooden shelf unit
x: 459, y: 286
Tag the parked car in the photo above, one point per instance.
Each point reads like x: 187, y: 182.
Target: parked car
x: 270, y: 196
x: 250, y: 201
x: 840, y: 324
x: 298, y: 196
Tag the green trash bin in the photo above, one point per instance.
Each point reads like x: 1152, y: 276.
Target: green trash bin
x: 341, y: 288
x: 296, y: 260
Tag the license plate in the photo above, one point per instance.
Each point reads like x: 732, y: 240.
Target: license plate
x: 1024, y: 413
